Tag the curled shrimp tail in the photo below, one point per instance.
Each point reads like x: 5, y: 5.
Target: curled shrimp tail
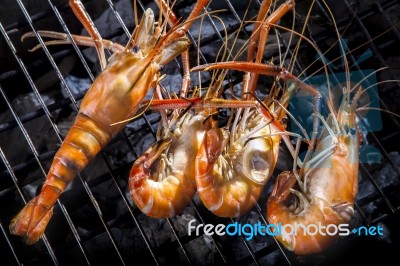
x: 286, y: 209
x: 164, y: 198
x: 31, y: 221
x: 229, y: 185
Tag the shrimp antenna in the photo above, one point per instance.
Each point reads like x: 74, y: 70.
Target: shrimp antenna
x: 359, y: 109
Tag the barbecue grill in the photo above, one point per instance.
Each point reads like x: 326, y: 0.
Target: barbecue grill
x: 95, y: 220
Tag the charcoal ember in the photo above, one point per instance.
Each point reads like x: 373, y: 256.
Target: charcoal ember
x: 142, y: 142
x: 180, y: 223
x: 38, y: 129
x: 258, y: 240
x: 387, y: 175
x: 273, y: 258
x: 202, y: 251
x: 76, y: 86
x: 387, y: 236
x: 172, y: 80
x: 158, y: 231
x: 202, y: 248
x: 131, y: 241
x: 383, y: 177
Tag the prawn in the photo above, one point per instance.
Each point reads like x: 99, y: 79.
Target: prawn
x: 161, y: 181
x: 231, y: 170
x: 114, y: 96
x: 232, y: 167
x: 328, y: 185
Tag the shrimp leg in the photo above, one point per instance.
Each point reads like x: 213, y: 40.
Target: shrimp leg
x: 80, y: 12
x: 62, y: 38
x: 261, y: 35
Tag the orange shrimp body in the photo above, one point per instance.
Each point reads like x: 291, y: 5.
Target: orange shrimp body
x: 330, y: 188
x: 161, y: 181
x: 114, y: 96
x: 231, y: 173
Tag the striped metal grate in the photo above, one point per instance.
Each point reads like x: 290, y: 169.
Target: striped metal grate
x: 95, y: 221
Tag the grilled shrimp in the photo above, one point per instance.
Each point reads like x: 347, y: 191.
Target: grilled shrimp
x: 114, y: 96
x: 231, y: 170
x: 328, y: 185
x: 161, y: 181
x: 232, y: 167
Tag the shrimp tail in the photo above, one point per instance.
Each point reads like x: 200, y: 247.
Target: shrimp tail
x: 31, y: 221
x: 159, y: 198
x: 82, y: 143
x: 141, y: 168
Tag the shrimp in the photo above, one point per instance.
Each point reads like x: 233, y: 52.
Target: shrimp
x: 232, y: 167
x: 231, y: 170
x: 161, y: 181
x: 114, y: 96
x: 328, y: 185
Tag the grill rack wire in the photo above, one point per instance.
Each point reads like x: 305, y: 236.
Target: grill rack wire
x: 86, y: 230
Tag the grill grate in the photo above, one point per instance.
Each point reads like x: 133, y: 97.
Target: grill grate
x: 95, y: 220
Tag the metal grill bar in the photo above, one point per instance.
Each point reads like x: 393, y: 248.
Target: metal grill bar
x: 8, y: 241
x: 107, y: 163
x: 58, y: 133
x: 221, y: 40
x: 25, y: 133
x: 253, y: 256
x: 74, y: 45
x: 351, y: 57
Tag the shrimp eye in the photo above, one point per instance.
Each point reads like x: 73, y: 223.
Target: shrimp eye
x: 135, y: 49
x: 353, y: 131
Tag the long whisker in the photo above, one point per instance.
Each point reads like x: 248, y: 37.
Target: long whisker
x: 359, y: 109
x: 347, y: 53
x: 297, y: 48
x: 377, y: 83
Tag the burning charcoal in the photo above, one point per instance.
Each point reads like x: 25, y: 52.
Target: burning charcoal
x: 38, y: 129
